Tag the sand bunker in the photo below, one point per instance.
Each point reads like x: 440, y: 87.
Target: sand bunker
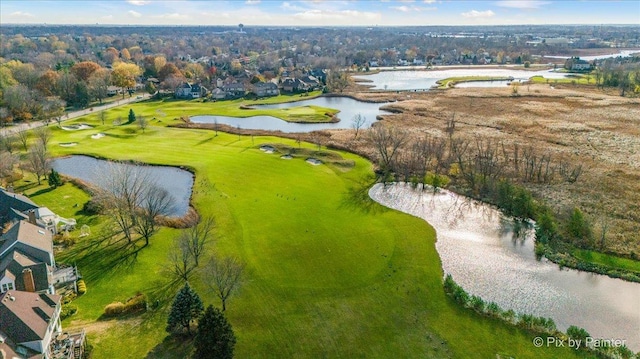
x: 267, y: 149
x: 286, y: 157
x: 81, y: 126
x: 68, y: 144
x: 314, y: 161
x: 97, y: 136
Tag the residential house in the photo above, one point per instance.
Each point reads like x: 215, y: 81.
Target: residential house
x: 218, y: 94
x: 264, y: 89
x: 29, y: 322
x: 294, y: 85
x: 26, y: 259
x: 113, y: 90
x: 312, y: 82
x: 15, y: 207
x: 190, y: 91
x: 234, y: 90
x: 580, y: 65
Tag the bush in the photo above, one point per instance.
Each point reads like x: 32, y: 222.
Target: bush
x: 82, y: 287
x: 92, y: 207
x: 67, y: 311
x: 134, y: 304
x: 114, y: 309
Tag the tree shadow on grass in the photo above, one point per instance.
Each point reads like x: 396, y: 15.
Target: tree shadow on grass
x: 172, y: 347
x: 357, y: 197
x: 42, y: 191
x: 102, y: 255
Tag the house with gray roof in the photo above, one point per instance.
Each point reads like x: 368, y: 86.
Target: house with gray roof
x: 264, y: 89
x: 26, y: 259
x: 29, y: 322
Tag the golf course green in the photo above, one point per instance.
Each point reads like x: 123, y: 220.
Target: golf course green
x: 329, y: 273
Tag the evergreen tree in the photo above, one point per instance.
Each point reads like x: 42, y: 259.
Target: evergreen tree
x: 215, y: 338
x: 132, y: 116
x: 186, y: 307
x: 54, y: 179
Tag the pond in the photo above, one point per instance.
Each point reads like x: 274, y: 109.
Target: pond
x: 348, y: 108
x: 423, y: 80
x: 477, y: 246
x: 177, y: 182
x: 622, y: 53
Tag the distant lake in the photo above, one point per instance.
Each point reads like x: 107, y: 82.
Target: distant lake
x: 177, y: 182
x: 623, y: 53
x: 425, y: 79
x: 347, y: 106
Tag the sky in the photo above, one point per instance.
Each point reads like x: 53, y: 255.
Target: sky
x: 320, y: 12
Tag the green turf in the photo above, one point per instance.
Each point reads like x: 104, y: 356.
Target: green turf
x: 607, y: 260
x: 571, y: 79
x: 330, y: 274
x: 452, y: 81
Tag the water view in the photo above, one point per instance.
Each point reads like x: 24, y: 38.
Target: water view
x: 479, y: 248
x: 423, y: 80
x: 176, y: 181
x: 348, y: 108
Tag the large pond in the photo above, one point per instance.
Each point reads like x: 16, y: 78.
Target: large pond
x: 479, y: 249
x: 176, y: 181
x: 425, y: 79
x: 348, y: 108
x: 623, y: 53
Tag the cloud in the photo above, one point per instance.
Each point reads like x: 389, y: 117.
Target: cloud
x: 405, y: 8
x: 522, y: 4
x: 252, y: 2
x: 108, y: 17
x: 317, y: 14
x: 429, y: 1
x: 172, y: 16
x: 138, y: 2
x: 134, y: 13
x: 475, y: 14
x: 21, y: 14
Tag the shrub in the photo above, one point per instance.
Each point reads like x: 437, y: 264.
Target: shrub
x: 92, y: 207
x: 114, y: 309
x: 67, y: 311
x: 82, y: 287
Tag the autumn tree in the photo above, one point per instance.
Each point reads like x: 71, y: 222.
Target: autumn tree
x: 83, y: 70
x: 168, y: 70
x: 98, y: 84
x: 124, y: 75
x: 48, y: 82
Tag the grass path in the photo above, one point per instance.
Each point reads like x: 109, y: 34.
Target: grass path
x: 330, y: 273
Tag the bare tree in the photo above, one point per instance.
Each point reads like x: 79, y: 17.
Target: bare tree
x: 23, y: 137
x: 155, y: 202
x: 181, y: 263
x: 143, y: 123
x: 357, y: 122
x: 386, y: 141
x: 198, y: 236
x: 38, y: 160
x: 7, y: 142
x: 122, y: 190
x: 225, y: 277
x: 43, y: 135
x: 103, y: 117
x: 7, y: 163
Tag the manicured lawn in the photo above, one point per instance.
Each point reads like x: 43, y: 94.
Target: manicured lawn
x: 329, y: 272
x: 170, y: 109
x: 573, y: 79
x: 607, y: 260
x: 452, y: 81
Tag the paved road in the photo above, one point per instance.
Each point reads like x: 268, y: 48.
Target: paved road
x: 75, y: 114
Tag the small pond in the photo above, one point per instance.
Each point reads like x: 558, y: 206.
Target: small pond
x: 478, y: 247
x: 177, y: 182
x: 348, y: 108
x: 423, y: 80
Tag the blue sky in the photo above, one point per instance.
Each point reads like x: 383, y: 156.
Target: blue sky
x: 321, y: 12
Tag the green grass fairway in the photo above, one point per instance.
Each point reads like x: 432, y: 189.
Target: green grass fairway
x: 330, y: 274
x: 607, y: 260
x: 452, y: 81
